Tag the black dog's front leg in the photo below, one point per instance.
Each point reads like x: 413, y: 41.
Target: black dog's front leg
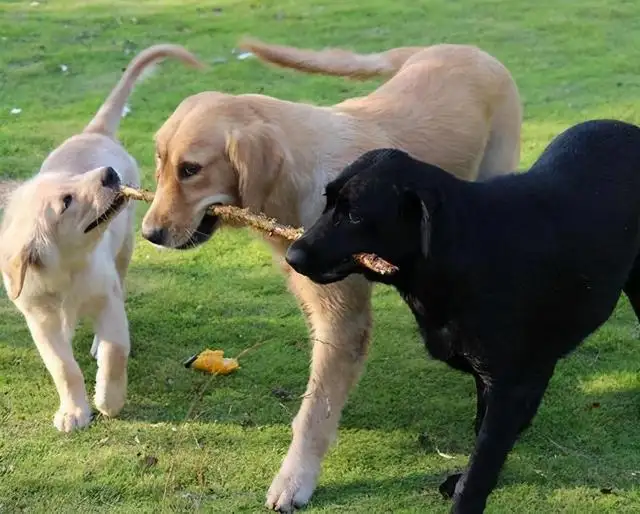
x: 481, y: 404
x: 510, y: 406
x: 462, y: 364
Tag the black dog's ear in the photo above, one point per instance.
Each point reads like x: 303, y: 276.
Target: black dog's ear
x: 414, y: 209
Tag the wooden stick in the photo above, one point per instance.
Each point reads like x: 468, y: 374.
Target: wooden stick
x: 260, y: 222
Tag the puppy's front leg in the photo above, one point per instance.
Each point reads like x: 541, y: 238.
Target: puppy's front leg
x: 52, y: 336
x: 112, y: 352
x: 340, y: 319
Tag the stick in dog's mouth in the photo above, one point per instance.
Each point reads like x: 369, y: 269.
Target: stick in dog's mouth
x: 260, y: 222
x: 113, y: 209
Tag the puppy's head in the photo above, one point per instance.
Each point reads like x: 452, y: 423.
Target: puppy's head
x: 55, y: 219
x: 370, y: 209
x: 215, y: 149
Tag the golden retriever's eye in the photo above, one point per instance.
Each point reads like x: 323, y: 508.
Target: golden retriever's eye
x: 188, y: 169
x: 66, y: 202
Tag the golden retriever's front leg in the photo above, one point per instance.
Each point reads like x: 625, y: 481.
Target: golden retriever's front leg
x: 53, y: 337
x: 112, y: 352
x: 340, y: 320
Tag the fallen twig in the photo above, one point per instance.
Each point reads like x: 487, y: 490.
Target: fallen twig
x: 271, y: 227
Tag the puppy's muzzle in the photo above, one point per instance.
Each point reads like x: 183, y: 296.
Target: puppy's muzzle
x: 110, y: 178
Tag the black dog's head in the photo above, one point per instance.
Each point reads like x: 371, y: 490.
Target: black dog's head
x: 372, y: 207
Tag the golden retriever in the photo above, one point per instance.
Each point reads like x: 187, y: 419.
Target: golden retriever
x: 451, y: 105
x: 66, y: 242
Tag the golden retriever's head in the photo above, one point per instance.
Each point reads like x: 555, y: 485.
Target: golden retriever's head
x: 215, y: 149
x: 55, y: 219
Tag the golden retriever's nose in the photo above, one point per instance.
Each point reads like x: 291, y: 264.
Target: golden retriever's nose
x: 110, y: 178
x: 155, y: 235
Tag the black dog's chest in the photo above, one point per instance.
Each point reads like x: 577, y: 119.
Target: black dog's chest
x: 440, y: 333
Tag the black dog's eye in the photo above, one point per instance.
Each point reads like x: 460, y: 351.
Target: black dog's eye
x: 66, y: 202
x: 188, y: 169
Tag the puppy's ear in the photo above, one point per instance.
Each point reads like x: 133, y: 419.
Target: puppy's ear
x: 257, y: 152
x: 16, y: 269
x: 414, y: 209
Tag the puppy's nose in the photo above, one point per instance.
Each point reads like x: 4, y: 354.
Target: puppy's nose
x: 155, y: 235
x: 296, y: 257
x: 110, y: 178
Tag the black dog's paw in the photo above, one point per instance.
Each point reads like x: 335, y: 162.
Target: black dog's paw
x: 448, y: 487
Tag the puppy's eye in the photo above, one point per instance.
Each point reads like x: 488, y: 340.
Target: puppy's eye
x: 188, y: 169
x: 66, y: 202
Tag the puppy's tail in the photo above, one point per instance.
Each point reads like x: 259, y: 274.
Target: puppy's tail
x: 107, y: 118
x: 332, y: 61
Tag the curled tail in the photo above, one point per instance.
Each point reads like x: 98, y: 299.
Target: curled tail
x: 107, y: 118
x: 332, y: 61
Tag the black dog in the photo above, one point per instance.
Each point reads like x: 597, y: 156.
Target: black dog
x: 504, y: 277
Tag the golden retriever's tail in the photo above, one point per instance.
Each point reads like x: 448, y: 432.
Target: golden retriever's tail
x: 108, y: 117
x: 332, y: 61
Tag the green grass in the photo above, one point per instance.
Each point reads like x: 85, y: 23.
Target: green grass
x: 573, y: 60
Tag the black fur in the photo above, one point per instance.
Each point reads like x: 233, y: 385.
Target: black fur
x: 504, y: 277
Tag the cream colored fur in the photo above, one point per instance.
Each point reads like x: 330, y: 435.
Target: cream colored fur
x: 55, y: 272
x: 453, y: 106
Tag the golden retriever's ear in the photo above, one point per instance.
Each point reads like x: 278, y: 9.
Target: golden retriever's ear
x: 16, y: 270
x: 258, y: 153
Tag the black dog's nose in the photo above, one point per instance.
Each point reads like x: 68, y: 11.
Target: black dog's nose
x: 156, y: 235
x: 110, y: 177
x: 296, y: 257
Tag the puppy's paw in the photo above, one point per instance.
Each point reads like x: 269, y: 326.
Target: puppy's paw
x: 68, y: 419
x: 110, y: 395
x: 448, y: 487
x: 294, y: 484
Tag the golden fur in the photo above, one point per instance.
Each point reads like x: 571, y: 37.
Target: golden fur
x: 57, y: 268
x: 451, y: 105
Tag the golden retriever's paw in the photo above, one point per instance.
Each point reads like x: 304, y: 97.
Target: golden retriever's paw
x: 110, y: 396
x: 293, y: 486
x: 72, y: 418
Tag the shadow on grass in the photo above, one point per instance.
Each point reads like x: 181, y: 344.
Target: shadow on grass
x: 407, y: 485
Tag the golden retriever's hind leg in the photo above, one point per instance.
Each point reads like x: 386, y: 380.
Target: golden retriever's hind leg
x: 501, y: 155
x: 502, y: 151
x: 53, y: 340
x: 340, y: 319
x: 112, y: 334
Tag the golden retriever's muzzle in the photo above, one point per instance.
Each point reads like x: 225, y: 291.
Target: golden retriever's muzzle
x: 203, y: 233
x: 160, y: 236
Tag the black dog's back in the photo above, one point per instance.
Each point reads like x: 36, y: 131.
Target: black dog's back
x: 538, y: 260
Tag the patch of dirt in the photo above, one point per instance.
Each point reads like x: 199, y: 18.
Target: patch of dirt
x: 6, y: 187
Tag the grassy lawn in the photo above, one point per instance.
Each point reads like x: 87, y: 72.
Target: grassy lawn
x: 219, y: 441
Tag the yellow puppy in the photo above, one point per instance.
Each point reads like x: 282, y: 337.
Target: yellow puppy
x: 65, y: 244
